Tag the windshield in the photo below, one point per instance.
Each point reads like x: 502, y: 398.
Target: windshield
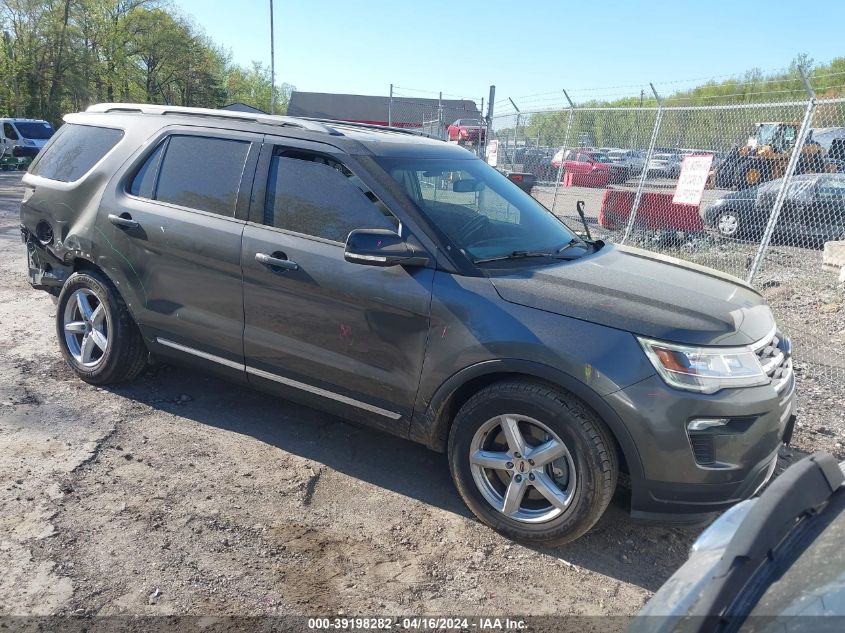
x: 600, y: 158
x: 483, y: 213
x: 766, y: 133
x: 39, y: 130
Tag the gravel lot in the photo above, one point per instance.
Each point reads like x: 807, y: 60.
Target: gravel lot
x: 182, y: 494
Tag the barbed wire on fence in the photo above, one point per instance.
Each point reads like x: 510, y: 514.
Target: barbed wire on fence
x: 747, y: 88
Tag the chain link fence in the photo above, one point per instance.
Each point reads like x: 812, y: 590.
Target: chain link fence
x: 434, y: 115
x: 774, y: 196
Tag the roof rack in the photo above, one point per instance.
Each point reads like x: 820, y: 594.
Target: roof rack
x: 371, y: 126
x: 312, y: 125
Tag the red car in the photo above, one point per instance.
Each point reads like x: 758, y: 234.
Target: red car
x: 467, y: 131
x: 590, y: 162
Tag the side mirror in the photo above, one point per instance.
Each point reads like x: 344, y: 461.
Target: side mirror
x: 381, y: 247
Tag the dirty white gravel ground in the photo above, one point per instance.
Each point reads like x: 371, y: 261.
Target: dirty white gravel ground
x: 183, y: 494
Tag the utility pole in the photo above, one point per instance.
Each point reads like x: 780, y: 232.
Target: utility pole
x: 515, y: 131
x: 272, y: 64
x: 639, y: 113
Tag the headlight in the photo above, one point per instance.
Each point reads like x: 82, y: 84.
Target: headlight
x: 28, y: 142
x: 704, y: 369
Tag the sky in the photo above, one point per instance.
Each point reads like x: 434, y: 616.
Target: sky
x: 529, y: 50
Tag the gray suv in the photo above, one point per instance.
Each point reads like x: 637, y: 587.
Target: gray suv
x: 402, y: 283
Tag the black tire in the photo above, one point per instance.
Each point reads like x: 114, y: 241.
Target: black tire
x: 126, y: 354
x: 590, y: 444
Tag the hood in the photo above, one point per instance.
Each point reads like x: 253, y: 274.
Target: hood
x: 645, y: 293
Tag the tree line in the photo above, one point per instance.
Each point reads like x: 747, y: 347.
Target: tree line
x: 60, y: 56
x: 716, y: 130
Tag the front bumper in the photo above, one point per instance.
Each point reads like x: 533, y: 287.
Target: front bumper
x: 686, y: 476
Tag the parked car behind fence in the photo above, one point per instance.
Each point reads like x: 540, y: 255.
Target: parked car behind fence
x: 590, y: 162
x: 813, y: 210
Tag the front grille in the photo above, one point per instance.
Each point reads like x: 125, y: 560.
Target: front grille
x: 775, y: 355
x: 702, y: 448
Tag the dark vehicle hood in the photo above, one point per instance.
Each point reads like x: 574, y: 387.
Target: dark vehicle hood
x: 644, y: 293
x: 749, y: 194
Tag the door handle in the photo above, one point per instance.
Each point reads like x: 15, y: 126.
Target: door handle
x: 276, y: 262
x: 125, y: 222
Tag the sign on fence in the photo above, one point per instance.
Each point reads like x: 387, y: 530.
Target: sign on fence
x: 693, y: 178
x: 493, y: 153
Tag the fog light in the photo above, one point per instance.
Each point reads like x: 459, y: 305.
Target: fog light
x: 702, y: 424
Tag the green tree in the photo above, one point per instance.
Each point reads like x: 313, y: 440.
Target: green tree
x: 61, y: 56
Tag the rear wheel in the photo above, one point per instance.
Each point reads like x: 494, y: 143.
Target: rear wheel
x: 532, y: 462
x: 97, y: 336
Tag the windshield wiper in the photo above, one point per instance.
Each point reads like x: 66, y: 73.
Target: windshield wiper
x: 573, y: 242
x: 513, y: 255
x: 525, y: 254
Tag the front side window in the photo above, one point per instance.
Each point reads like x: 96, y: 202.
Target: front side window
x: 194, y: 171
x: 788, y: 136
x: 480, y: 211
x: 316, y: 195
x: 74, y: 150
x: 9, y: 132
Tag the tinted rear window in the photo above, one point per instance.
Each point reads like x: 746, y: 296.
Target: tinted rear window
x: 74, y: 151
x: 202, y: 173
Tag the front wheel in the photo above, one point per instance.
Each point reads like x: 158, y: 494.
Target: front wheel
x: 728, y: 224
x: 97, y: 336
x: 532, y: 462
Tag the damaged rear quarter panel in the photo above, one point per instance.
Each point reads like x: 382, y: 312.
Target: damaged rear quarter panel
x: 72, y: 208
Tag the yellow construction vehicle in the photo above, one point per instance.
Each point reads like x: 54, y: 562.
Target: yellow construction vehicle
x: 766, y: 155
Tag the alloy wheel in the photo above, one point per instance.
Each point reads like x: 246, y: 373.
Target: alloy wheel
x: 522, y: 468
x: 86, y: 325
